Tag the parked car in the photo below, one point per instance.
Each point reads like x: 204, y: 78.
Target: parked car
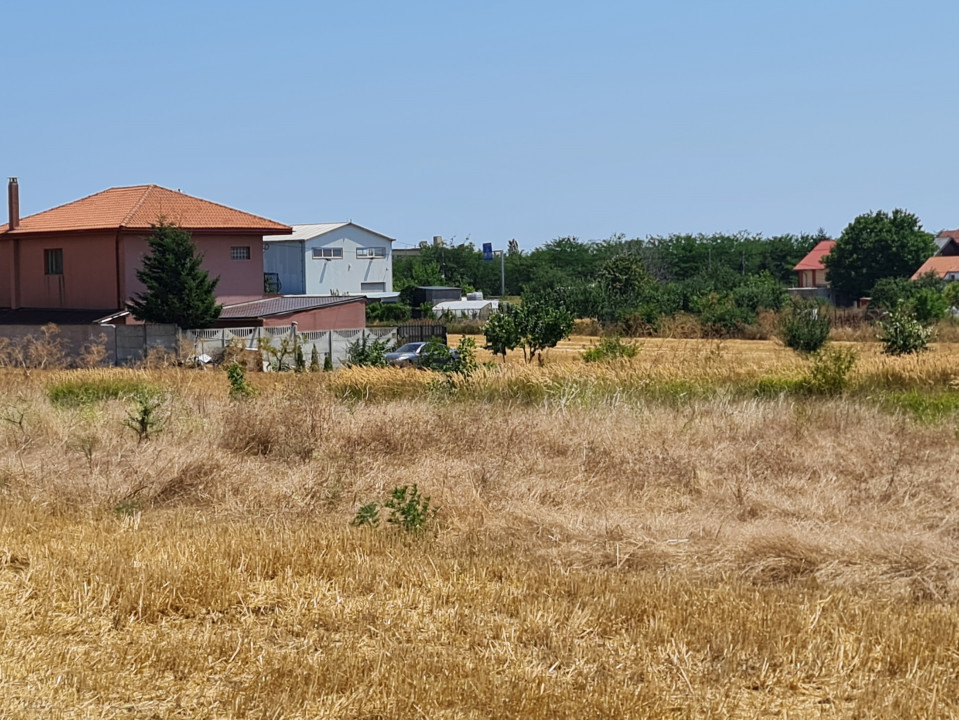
x: 408, y: 354
x: 417, y: 354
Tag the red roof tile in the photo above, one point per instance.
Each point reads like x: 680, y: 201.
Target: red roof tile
x: 942, y: 265
x: 813, y: 261
x: 138, y: 207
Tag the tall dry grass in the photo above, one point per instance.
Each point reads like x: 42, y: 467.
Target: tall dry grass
x: 718, y: 556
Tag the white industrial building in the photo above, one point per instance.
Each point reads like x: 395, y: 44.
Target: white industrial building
x: 329, y: 259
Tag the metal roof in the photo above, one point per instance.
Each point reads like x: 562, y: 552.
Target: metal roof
x: 315, y: 230
x: 285, y: 304
x: 464, y: 305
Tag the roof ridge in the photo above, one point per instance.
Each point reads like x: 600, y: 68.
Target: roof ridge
x: 137, y: 205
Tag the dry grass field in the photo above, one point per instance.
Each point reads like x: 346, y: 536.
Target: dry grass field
x: 609, y: 544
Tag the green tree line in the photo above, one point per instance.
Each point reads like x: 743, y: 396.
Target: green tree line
x: 566, y: 261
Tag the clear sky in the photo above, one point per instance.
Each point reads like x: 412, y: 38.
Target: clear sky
x: 493, y: 120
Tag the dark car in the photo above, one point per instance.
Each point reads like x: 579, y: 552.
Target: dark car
x: 420, y: 354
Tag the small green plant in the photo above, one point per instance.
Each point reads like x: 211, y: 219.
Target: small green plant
x: 144, y: 419
x: 829, y: 371
x: 280, y: 357
x: 410, y: 511
x: 299, y: 362
x: 240, y: 388
x: 804, y: 327
x: 610, y: 347
x: 367, y: 516
x: 366, y: 353
x: 314, y: 360
x: 328, y: 363
x: 901, y: 333
x: 127, y: 507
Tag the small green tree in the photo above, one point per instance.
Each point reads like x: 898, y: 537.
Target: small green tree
x: 314, y: 360
x: 542, y: 325
x: 177, y: 289
x: 501, y: 330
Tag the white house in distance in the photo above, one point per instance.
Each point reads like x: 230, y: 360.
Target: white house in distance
x: 329, y: 259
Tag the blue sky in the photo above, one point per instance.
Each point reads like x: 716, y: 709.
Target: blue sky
x: 493, y: 120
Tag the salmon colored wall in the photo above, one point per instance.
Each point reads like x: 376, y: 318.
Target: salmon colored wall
x: 6, y: 273
x: 348, y: 316
x: 89, y: 280
x: 238, y: 278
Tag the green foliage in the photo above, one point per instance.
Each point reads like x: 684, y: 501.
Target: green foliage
x: 610, y: 347
x: 280, y: 357
x: 299, y: 361
x: 387, y: 313
x: 367, y: 353
x: 144, y: 419
x: 314, y: 360
x: 410, y: 511
x: 177, y: 289
x: 804, y: 327
x: 437, y: 356
x: 127, y: 507
x: 875, y: 246
x: 502, y: 331
x: 542, y: 323
x: 924, y: 297
x: 829, y: 371
x: 951, y: 294
x: 901, y: 333
x: 367, y: 516
x: 240, y: 388
x: 78, y: 393
x: 328, y: 363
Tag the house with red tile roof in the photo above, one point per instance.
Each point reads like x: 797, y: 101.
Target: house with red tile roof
x: 811, y: 269
x: 945, y: 263
x: 84, y: 255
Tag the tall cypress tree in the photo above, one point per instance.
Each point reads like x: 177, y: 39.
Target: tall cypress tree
x: 178, y: 290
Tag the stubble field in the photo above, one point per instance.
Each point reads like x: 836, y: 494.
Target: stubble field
x: 662, y: 537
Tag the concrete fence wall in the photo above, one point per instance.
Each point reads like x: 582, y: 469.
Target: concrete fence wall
x: 129, y: 344
x: 327, y: 342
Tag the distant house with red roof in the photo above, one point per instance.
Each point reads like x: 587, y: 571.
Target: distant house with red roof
x: 84, y: 255
x: 812, y: 271
x: 945, y: 263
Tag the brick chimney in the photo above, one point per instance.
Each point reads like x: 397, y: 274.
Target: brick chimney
x: 13, y: 203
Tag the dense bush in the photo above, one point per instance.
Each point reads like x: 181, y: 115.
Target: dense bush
x: 804, y: 328
x: 610, y: 347
x: 367, y: 353
x: 901, y: 333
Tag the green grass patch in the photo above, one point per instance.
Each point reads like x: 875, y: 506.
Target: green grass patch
x: 927, y: 407
x: 80, y: 393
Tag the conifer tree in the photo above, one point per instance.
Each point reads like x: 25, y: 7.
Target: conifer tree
x: 178, y: 290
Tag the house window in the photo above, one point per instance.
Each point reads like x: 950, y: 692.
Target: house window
x: 373, y: 252
x: 327, y: 253
x: 372, y: 287
x: 53, y: 261
x: 240, y: 253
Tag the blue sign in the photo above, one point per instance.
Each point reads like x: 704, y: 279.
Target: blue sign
x: 488, y: 252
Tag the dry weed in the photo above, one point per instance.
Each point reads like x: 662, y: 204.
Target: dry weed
x: 600, y: 553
